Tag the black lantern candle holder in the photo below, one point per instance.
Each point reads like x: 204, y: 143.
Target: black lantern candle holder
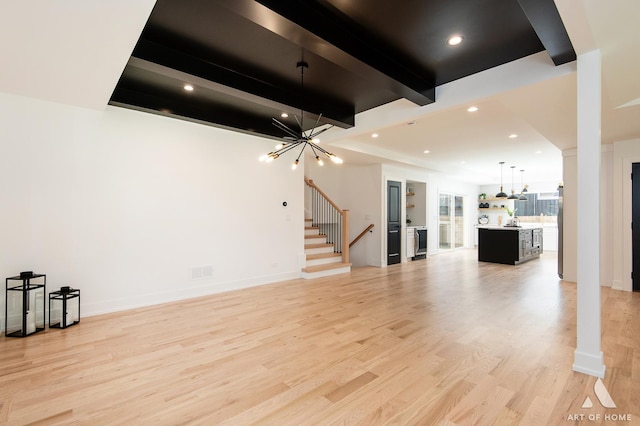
x: 64, y: 307
x: 24, y: 312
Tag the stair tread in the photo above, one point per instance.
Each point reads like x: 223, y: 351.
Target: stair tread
x: 326, y: 267
x: 323, y: 255
x: 319, y: 245
x: 307, y: 237
x: 309, y: 228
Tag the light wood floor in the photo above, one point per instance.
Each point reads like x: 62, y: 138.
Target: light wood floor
x: 443, y: 341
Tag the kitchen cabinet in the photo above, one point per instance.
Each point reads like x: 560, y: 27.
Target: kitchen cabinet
x: 510, y: 246
x: 411, y: 242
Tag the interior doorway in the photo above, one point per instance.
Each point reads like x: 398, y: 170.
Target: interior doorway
x: 393, y: 221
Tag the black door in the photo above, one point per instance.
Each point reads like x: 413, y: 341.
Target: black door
x: 393, y: 222
x: 635, y: 225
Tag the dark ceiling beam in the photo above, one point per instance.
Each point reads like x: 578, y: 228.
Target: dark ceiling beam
x: 546, y: 22
x: 165, y: 104
x: 322, y: 29
x: 176, y: 64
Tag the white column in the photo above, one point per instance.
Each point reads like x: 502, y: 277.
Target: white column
x: 588, y: 357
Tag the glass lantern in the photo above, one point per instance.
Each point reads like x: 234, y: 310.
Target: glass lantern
x: 64, y: 307
x: 25, y: 304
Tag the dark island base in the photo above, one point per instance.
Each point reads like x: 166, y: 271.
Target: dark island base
x: 510, y: 246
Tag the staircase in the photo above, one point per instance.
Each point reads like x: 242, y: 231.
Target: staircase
x: 321, y: 260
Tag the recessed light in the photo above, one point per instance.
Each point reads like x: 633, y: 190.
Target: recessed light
x: 284, y: 115
x: 454, y: 40
x: 374, y: 135
x: 188, y: 88
x: 462, y: 162
x: 472, y: 109
x: 426, y: 151
x: 513, y: 136
x: 538, y: 152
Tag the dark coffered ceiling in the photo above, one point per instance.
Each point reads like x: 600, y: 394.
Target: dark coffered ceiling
x: 241, y: 55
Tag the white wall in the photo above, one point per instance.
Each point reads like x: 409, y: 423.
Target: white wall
x: 126, y: 206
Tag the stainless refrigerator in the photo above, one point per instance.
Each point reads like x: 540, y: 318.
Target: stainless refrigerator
x: 560, y: 202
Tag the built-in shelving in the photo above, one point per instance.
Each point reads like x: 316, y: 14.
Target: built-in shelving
x: 416, y: 203
x: 410, y: 205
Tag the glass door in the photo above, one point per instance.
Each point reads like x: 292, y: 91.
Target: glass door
x: 451, y: 222
x: 458, y: 220
x: 444, y: 225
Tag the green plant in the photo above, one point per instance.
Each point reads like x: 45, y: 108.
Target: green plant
x: 483, y: 196
x: 511, y: 212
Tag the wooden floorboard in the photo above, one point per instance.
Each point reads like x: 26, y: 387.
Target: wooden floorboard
x: 446, y: 341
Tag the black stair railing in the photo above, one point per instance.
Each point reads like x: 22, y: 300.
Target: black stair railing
x: 330, y: 219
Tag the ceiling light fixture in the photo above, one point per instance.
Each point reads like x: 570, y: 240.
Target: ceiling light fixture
x: 513, y: 195
x: 188, y: 87
x: 300, y: 138
x: 472, y: 109
x: 284, y: 115
x: 426, y: 151
x: 454, y: 40
x: 501, y: 194
x: 524, y: 187
x: 513, y: 136
x: 374, y: 135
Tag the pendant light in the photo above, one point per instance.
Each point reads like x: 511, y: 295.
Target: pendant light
x: 513, y: 195
x: 501, y: 194
x: 300, y: 138
x: 522, y: 197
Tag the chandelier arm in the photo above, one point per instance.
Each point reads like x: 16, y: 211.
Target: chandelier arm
x: 320, y: 131
x: 285, y: 128
x: 287, y: 148
x: 300, y: 154
x: 313, y: 129
x: 319, y: 148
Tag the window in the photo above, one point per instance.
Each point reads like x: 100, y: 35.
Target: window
x: 538, y: 203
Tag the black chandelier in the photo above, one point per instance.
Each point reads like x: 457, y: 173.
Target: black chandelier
x: 302, y: 138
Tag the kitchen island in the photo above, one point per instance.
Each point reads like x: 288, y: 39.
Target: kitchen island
x: 510, y: 245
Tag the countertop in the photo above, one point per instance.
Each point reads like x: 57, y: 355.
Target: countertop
x: 509, y: 228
